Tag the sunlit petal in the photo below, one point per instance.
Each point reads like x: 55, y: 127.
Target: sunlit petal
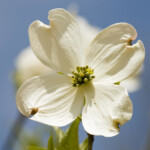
x: 58, y: 45
x: 50, y: 99
x: 106, y: 107
x: 111, y: 55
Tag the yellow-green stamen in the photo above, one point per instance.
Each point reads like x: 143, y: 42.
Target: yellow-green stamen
x: 117, y: 83
x: 82, y: 75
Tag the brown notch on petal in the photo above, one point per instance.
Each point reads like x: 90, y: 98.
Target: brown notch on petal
x: 130, y: 42
x: 116, y: 124
x: 34, y: 111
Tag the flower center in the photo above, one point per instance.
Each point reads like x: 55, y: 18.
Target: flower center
x: 82, y: 75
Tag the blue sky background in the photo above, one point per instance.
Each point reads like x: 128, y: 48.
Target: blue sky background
x: 15, y: 17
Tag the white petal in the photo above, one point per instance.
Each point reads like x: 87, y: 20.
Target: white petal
x: 58, y: 45
x: 106, y: 107
x: 57, y: 101
x: 111, y: 56
x: 88, y: 32
x: 27, y: 65
x: 133, y: 83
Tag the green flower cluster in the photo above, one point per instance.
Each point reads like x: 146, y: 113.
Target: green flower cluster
x: 82, y: 75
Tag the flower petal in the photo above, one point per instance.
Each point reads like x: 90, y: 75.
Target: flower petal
x: 111, y: 55
x: 58, y: 45
x: 107, y: 107
x: 88, y: 31
x: 50, y: 99
x: 133, y: 83
x: 27, y: 66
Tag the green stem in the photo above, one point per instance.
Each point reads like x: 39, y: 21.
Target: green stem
x: 90, y: 141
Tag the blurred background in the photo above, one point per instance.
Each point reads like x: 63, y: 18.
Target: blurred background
x: 15, y: 18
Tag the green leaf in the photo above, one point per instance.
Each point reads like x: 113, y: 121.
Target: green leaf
x: 70, y: 140
x: 57, y: 137
x: 51, y: 144
x: 35, y: 148
x: 84, y: 145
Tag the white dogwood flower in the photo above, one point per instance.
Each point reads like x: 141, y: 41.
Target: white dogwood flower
x: 28, y: 65
x: 85, y: 78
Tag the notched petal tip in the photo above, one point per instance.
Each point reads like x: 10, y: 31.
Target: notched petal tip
x: 33, y: 111
x: 130, y: 42
x: 132, y: 30
x: 117, y: 125
x: 138, y: 45
x: 127, y: 28
x: 35, y: 25
x: 57, y: 12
